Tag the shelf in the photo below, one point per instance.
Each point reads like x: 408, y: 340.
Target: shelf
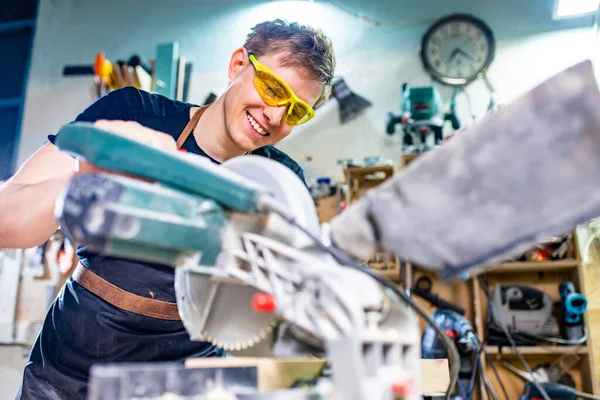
x: 371, y: 169
x: 391, y: 274
x: 534, y: 266
x: 535, y: 350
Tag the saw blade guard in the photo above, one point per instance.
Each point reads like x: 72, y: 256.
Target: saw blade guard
x: 218, y: 309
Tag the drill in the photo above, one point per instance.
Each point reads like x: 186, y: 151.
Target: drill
x: 573, y: 305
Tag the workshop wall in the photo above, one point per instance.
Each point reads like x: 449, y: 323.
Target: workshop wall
x: 374, y: 60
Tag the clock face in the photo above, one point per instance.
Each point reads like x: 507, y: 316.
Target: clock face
x: 457, y: 49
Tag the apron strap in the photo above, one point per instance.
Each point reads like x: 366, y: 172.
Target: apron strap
x: 189, y: 128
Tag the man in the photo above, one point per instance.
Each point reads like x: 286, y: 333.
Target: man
x: 276, y: 79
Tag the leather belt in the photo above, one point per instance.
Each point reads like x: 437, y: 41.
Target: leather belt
x: 125, y: 300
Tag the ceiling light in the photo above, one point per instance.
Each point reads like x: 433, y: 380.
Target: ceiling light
x: 574, y: 8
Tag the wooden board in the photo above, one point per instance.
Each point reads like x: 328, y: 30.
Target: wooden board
x: 282, y: 373
x: 327, y: 208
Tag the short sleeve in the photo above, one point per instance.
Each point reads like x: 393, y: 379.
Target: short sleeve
x: 120, y: 104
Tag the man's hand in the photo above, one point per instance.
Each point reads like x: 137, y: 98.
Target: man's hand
x: 130, y: 130
x: 134, y: 131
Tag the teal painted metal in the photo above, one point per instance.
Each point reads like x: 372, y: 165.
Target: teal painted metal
x: 158, y: 224
x: 165, y: 71
x: 186, y: 172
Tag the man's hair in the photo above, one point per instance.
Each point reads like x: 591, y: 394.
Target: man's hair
x: 304, y: 46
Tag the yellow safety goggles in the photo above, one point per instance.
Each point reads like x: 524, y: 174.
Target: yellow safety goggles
x: 275, y: 93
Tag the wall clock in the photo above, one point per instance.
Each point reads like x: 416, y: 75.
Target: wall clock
x: 457, y: 49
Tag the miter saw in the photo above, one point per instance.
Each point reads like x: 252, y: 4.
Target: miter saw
x: 240, y: 266
x: 243, y: 236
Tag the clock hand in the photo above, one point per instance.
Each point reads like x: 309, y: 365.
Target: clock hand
x: 465, y: 54
x: 453, y: 54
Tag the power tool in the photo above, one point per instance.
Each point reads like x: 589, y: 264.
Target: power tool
x: 555, y: 381
x: 573, y: 306
x: 461, y: 331
x: 422, y: 117
x: 526, y: 311
x: 554, y: 391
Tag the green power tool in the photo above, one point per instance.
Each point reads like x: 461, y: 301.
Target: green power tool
x: 422, y: 117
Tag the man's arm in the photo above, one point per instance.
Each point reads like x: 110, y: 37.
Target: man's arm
x: 27, y: 199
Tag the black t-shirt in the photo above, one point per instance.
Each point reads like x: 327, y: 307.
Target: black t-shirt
x: 165, y: 115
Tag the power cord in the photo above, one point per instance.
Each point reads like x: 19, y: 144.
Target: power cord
x: 267, y: 203
x: 494, y: 370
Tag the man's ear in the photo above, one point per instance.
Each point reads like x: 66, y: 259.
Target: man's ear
x: 238, y: 61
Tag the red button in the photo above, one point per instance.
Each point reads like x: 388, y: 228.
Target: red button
x: 263, y: 303
x: 403, y: 388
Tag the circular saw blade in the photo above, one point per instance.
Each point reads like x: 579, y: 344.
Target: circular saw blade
x: 221, y: 312
x: 227, y: 319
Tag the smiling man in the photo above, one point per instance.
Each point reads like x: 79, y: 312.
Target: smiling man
x: 276, y: 79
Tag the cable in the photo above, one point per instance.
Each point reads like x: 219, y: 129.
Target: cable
x: 267, y: 203
x: 557, y: 340
x: 493, y: 367
x: 469, y: 104
x: 496, y: 374
x: 513, y: 345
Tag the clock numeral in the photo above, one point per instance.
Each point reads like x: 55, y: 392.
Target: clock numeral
x: 482, y: 47
x: 436, y: 41
x: 437, y: 63
x: 458, y: 62
x: 456, y: 28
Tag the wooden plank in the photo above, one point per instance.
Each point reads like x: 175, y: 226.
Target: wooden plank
x: 535, y: 350
x: 534, y: 266
x: 272, y: 373
x: 10, y: 274
x: 282, y: 373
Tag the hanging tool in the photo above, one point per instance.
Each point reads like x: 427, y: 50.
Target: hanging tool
x: 351, y: 104
x: 422, y: 288
x: 421, y: 117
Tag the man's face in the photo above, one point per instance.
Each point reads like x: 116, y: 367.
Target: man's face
x: 250, y: 123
